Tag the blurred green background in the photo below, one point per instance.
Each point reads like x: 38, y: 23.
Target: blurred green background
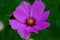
x: 51, y: 33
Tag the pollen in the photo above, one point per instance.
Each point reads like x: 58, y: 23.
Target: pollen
x: 30, y: 21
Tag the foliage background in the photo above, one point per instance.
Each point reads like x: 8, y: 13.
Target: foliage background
x: 51, y: 33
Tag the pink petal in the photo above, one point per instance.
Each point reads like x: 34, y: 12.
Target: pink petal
x: 31, y: 29
x: 45, y: 16
x: 42, y: 26
x: 26, y: 6
x: 37, y: 9
x: 23, y: 32
x: 34, y: 30
x: 15, y: 24
x: 21, y: 12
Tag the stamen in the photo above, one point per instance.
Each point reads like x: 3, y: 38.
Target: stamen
x: 30, y: 21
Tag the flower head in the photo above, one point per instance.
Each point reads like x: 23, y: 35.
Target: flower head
x: 1, y: 26
x: 29, y: 18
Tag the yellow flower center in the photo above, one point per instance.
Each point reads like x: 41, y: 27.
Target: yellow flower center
x: 30, y: 21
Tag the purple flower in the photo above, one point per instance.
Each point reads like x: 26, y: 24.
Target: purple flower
x: 29, y: 18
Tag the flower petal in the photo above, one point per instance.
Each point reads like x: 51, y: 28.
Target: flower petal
x: 42, y: 26
x: 26, y: 6
x: 21, y: 12
x: 45, y: 16
x: 23, y: 32
x: 15, y: 24
x: 34, y: 30
x: 37, y: 9
x: 31, y: 29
